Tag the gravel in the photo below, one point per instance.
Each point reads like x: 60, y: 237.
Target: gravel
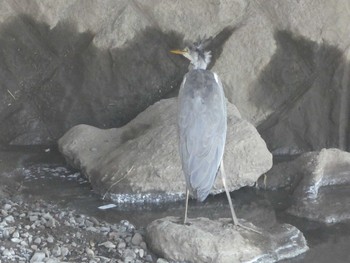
x: 42, y: 232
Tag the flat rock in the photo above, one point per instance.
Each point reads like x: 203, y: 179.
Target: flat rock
x: 332, y: 205
x: 141, y: 161
x: 205, y: 240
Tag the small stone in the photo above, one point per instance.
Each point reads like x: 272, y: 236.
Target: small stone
x: 90, y: 252
x: 129, y: 253
x: 143, y: 245
x: 136, y: 239
x: 8, y: 252
x: 113, y: 235
x: 56, y: 251
x: 50, y: 221
x: 15, y: 240
x: 92, y: 229
x: 37, y: 240
x: 162, y: 260
x: 6, y: 234
x: 88, y: 223
x: 121, y: 245
x: 22, y: 215
x: 37, y: 257
x: 24, y: 243
x: 50, y: 239
x: 15, y: 234
x: 9, y: 219
x: 33, y: 218
x: 108, y: 244
x: 141, y: 253
x: 34, y: 247
x: 149, y: 258
x: 64, y: 251
x: 7, y: 207
x: 105, y: 229
x: 4, y: 212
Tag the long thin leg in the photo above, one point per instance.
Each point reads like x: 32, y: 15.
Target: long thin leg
x: 223, y: 175
x: 186, y: 206
x: 234, y: 217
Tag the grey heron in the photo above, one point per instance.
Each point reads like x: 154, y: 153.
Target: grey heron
x: 202, y: 125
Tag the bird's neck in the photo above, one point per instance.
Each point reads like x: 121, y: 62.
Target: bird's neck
x: 200, y: 61
x: 199, y: 64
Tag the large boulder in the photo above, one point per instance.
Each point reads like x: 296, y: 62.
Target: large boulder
x: 204, y: 240
x: 140, y: 161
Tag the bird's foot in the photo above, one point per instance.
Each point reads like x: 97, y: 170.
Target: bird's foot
x: 186, y: 222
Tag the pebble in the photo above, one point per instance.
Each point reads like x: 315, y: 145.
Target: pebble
x: 141, y: 253
x: 4, y: 212
x: 8, y: 252
x: 33, y: 218
x: 64, y: 251
x: 77, y: 238
x: 15, y: 240
x: 9, y: 219
x: 7, y: 207
x: 162, y: 260
x: 37, y: 240
x: 15, y: 234
x: 121, y: 245
x: 37, y: 257
x: 108, y: 244
x: 90, y: 252
x: 50, y: 239
x: 136, y: 239
x: 56, y: 251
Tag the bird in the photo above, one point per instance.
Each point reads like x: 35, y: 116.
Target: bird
x: 202, y: 125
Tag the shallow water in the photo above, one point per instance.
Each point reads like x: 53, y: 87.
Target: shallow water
x: 44, y: 175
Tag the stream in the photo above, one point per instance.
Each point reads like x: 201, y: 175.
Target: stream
x: 43, y: 174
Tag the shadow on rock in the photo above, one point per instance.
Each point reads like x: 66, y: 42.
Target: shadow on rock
x: 55, y: 78
x: 302, y: 91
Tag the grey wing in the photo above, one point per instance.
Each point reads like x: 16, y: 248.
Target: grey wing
x: 202, y: 130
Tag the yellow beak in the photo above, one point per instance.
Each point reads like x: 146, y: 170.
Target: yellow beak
x: 178, y: 51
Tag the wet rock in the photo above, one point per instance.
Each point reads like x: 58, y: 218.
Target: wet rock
x: 205, y: 240
x: 320, y: 183
x: 151, y: 138
x: 325, y: 168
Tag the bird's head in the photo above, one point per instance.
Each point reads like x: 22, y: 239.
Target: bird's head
x: 196, y: 53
